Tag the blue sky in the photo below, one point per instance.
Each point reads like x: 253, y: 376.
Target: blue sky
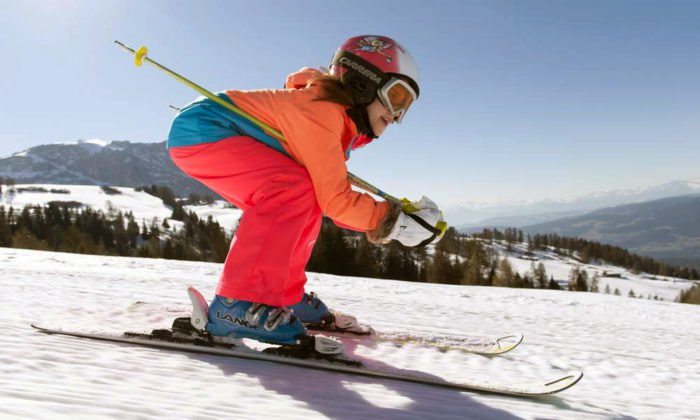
x: 519, y: 99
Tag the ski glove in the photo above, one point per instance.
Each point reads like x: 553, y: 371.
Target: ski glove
x: 415, y: 224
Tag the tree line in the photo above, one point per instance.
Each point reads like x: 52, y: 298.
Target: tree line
x: 456, y: 259
x: 65, y: 227
x: 586, y: 251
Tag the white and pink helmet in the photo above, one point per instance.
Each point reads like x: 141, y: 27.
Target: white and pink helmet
x: 367, y: 63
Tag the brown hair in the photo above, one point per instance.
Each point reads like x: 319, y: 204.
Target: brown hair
x: 333, y: 90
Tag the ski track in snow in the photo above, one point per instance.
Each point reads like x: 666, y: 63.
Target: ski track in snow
x: 641, y: 358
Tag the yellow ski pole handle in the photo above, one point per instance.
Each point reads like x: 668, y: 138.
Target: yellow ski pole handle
x: 141, y: 55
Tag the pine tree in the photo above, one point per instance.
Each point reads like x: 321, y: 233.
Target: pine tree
x: 573, y: 277
x: 5, y: 230
x: 578, y: 279
x: 594, y: 284
x: 505, y: 275
x: 24, y: 238
x: 154, y: 247
x: 472, y: 273
x: 365, y: 262
x: 540, y: 276
x: 586, y: 255
x: 144, y: 230
x: 168, y: 252
x: 439, y: 268
x: 582, y: 281
x: 179, y: 212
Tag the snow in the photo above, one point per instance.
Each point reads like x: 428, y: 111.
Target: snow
x: 143, y: 205
x: 558, y: 266
x: 98, y: 142
x: 95, y: 141
x: 225, y: 216
x: 640, y: 357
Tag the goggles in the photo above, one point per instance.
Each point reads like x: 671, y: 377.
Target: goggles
x: 397, y: 96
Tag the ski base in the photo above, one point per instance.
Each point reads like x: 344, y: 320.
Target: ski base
x: 301, y: 356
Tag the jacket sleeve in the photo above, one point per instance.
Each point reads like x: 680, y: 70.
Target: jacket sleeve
x: 313, y: 130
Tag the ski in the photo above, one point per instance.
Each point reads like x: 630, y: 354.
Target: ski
x: 348, y: 327
x: 476, y: 345
x: 303, y: 355
x: 337, y: 324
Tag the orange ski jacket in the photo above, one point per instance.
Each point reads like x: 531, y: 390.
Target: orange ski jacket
x: 319, y: 136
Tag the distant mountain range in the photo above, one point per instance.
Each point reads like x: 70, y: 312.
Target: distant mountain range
x: 471, y: 217
x: 667, y: 229
x: 98, y: 162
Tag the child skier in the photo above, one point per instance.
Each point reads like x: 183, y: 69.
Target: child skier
x: 284, y: 192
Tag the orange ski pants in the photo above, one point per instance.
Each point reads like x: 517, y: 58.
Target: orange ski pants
x: 281, y: 216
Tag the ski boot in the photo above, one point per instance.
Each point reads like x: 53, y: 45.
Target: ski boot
x: 242, y: 319
x: 317, y: 317
x: 229, y: 320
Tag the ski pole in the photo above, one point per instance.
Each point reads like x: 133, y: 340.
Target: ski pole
x: 141, y: 55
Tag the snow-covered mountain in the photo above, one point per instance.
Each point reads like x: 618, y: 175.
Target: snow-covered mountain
x: 517, y: 214
x: 99, y: 162
x: 639, y: 356
x: 143, y: 205
x: 667, y: 229
x: 610, y: 277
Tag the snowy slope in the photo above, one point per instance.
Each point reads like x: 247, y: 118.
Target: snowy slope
x: 143, y: 205
x: 641, y: 357
x: 558, y: 266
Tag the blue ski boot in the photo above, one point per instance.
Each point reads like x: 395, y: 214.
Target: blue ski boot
x: 242, y: 319
x: 311, y: 309
x: 316, y: 316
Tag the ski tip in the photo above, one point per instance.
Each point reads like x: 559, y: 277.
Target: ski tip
x: 577, y: 375
x: 513, y: 339
x: 504, y: 344
x: 44, y: 329
x: 38, y: 328
x: 564, y: 382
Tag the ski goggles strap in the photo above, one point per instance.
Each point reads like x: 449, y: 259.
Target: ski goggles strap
x: 397, y: 96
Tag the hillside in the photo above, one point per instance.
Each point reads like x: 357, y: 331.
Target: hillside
x: 639, y: 356
x: 667, y: 229
x: 143, y: 205
x: 559, y: 267
x: 99, y: 162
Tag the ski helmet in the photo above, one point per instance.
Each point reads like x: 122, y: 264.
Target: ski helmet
x: 372, y: 66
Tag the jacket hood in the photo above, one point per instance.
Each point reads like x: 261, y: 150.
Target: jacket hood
x: 299, y: 79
